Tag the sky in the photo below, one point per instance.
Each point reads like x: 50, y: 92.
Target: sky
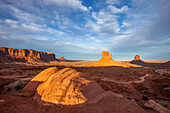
x: 82, y: 29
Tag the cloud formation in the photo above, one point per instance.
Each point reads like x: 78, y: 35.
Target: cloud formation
x: 82, y: 29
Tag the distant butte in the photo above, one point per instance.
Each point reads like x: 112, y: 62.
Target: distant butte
x: 137, y: 57
x: 62, y: 59
x: 137, y: 60
x: 107, y: 60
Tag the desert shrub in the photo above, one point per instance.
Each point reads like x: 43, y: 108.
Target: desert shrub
x: 16, y: 86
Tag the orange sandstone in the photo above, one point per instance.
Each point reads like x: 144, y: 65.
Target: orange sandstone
x: 43, y: 76
x: 68, y: 87
x: 25, y: 55
x: 137, y: 57
x: 62, y: 59
x: 107, y: 60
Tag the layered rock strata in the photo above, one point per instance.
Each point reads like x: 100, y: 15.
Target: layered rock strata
x: 24, y: 55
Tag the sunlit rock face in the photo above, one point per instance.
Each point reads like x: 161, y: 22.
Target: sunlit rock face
x: 43, y: 76
x: 105, y: 55
x: 107, y: 60
x: 137, y: 57
x: 24, y: 55
x: 67, y: 87
x: 137, y: 60
x: 62, y: 59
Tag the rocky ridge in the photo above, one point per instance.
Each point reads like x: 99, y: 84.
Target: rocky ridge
x: 9, y: 55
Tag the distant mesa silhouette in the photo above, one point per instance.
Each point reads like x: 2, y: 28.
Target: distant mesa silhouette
x: 168, y: 62
x: 137, y: 60
x: 107, y: 60
x: 65, y: 87
x: 62, y: 59
x: 8, y: 55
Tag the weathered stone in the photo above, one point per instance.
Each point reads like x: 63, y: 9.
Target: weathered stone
x: 107, y: 60
x: 62, y: 59
x: 137, y: 57
x: 68, y: 87
x: 24, y: 55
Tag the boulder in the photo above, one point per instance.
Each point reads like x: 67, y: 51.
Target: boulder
x: 68, y: 87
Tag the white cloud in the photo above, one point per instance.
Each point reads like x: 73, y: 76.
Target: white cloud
x: 43, y: 39
x: 112, y: 2
x: 118, y: 10
x: 90, y: 8
x: 126, y: 24
x: 105, y: 22
x: 104, y: 17
x: 74, y: 4
x: 9, y: 21
x: 62, y: 21
x: 94, y: 38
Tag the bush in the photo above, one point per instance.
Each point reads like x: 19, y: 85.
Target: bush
x: 16, y: 86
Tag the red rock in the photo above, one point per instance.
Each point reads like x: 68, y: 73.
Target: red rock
x: 137, y: 57
x: 23, y: 55
x: 62, y: 59
x: 107, y: 60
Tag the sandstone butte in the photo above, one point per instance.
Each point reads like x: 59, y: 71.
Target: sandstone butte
x: 107, y: 60
x: 62, y: 59
x: 137, y: 57
x: 137, y: 60
x: 66, y: 87
x: 24, y: 55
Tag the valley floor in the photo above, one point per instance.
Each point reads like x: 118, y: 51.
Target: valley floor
x: 136, y: 85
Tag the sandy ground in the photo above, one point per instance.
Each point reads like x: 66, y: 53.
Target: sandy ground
x: 152, y: 82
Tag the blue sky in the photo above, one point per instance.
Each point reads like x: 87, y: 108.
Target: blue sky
x: 81, y: 30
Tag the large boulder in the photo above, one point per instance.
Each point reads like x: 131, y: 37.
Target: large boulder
x: 31, y: 87
x: 68, y: 87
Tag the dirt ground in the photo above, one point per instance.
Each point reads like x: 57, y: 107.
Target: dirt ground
x: 154, y: 86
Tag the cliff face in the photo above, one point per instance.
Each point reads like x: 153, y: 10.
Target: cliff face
x: 137, y: 57
x: 23, y: 55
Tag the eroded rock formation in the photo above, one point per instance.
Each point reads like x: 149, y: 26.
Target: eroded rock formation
x: 154, y: 105
x: 137, y: 60
x: 62, y: 59
x: 24, y: 55
x: 31, y: 87
x: 107, y: 60
x: 137, y: 57
x: 68, y: 87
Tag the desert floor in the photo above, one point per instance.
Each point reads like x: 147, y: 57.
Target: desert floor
x: 136, y: 85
